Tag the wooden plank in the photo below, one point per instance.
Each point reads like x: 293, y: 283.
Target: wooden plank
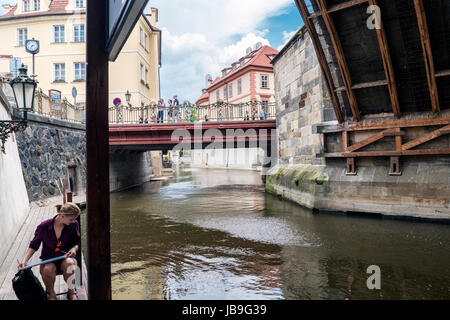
x: 21, y: 247
x: 97, y: 159
x: 340, y: 6
x: 343, y: 67
x: 385, y: 124
x: 430, y: 136
x: 428, y: 55
x: 387, y: 64
x: 322, y: 59
x: 9, y: 266
x: 389, y: 153
x: 367, y: 141
x: 443, y: 73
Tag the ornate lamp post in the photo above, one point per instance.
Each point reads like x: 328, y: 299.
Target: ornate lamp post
x: 128, y: 97
x: 24, y: 89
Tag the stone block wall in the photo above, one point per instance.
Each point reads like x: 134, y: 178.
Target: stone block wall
x: 48, y: 148
x: 302, y: 100
x: 304, y: 176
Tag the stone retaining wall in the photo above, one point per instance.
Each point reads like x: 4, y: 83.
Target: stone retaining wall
x: 48, y: 148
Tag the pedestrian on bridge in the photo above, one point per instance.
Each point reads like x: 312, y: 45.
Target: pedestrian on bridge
x: 161, y: 108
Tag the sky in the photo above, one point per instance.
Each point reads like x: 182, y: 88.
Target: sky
x: 201, y: 37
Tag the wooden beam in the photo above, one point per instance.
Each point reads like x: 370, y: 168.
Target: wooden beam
x: 443, y: 73
x: 430, y: 136
x: 340, y: 6
x: 387, y: 63
x: 392, y: 153
x: 97, y: 156
x: 367, y: 141
x: 365, y: 85
x: 428, y: 54
x: 322, y: 59
x: 340, y: 58
x: 385, y: 124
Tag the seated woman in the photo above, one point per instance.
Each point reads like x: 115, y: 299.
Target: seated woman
x: 59, y: 235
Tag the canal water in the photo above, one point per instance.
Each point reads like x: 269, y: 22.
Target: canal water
x: 215, y: 234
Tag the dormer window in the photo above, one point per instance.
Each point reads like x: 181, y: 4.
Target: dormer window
x: 224, y: 73
x: 79, y: 3
x: 234, y: 66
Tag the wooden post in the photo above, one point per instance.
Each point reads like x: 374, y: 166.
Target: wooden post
x: 64, y: 191
x: 428, y: 54
x: 97, y: 146
x: 322, y: 59
x: 69, y: 196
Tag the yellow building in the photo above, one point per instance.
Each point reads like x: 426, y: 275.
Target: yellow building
x: 60, y: 64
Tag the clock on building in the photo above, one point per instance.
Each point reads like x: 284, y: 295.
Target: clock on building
x: 32, y: 46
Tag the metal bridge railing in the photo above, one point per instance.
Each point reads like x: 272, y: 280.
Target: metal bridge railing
x: 251, y: 111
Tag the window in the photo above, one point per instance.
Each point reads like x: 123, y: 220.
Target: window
x: 239, y: 84
x: 264, y: 82
x: 79, y: 3
x: 80, y: 71
x: 78, y: 33
x: 141, y: 36
x: 146, y: 42
x: 217, y: 95
x: 146, y: 76
x: 37, y: 5
x: 59, y: 34
x: 22, y: 36
x: 60, y: 72
x: 225, y: 93
x: 230, y: 90
x: 142, y: 73
x: 26, y: 5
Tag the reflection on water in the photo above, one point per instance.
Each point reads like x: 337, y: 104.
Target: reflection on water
x: 215, y: 234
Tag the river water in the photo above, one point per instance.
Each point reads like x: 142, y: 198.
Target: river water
x: 215, y: 234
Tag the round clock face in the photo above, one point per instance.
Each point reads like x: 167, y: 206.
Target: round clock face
x: 32, y: 45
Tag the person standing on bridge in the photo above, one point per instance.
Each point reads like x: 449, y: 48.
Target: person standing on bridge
x: 161, y: 107
x: 176, y: 107
x: 59, y: 236
x: 170, y: 112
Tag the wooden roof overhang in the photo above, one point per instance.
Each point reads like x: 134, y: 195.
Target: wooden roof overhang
x: 391, y: 75
x: 388, y: 69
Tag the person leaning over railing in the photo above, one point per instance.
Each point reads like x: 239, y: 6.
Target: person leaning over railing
x: 59, y: 236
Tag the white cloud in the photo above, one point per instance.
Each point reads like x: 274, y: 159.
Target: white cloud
x: 286, y: 37
x: 204, y: 36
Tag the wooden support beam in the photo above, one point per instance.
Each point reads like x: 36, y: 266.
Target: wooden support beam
x: 385, y: 124
x: 344, y: 141
x: 387, y: 63
x: 343, y: 67
x: 443, y: 73
x: 370, y: 140
x: 430, y: 136
x: 97, y: 155
x: 322, y: 59
x: 392, y: 153
x: 365, y: 85
x: 428, y: 54
x: 340, y: 6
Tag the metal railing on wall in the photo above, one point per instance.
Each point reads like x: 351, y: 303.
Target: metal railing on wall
x: 221, y: 111
x: 61, y: 109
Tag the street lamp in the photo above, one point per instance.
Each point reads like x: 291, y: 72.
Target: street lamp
x: 24, y: 89
x: 128, y: 97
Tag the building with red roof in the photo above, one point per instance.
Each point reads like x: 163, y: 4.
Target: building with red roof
x: 248, y: 79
